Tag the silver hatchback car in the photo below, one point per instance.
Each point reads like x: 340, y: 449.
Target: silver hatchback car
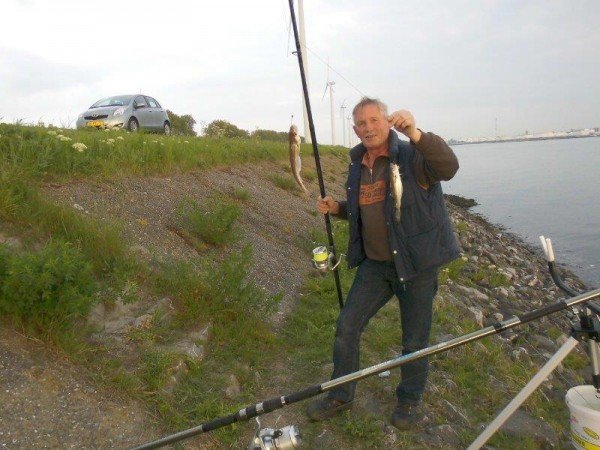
x: 132, y: 112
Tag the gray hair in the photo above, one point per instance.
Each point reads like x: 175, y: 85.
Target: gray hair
x: 370, y: 101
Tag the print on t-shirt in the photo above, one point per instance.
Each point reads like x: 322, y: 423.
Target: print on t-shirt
x: 372, y: 193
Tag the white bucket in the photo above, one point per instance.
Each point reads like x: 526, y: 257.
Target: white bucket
x: 584, y: 404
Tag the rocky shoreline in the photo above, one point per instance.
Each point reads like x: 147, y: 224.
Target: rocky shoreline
x: 501, y: 276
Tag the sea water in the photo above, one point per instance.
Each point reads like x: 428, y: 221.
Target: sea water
x: 533, y: 188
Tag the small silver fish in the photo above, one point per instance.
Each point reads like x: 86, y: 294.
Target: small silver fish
x: 396, y: 187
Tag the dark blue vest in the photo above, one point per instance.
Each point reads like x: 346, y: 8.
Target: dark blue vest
x: 425, y: 237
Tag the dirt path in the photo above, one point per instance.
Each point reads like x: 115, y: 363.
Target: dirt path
x: 47, y: 402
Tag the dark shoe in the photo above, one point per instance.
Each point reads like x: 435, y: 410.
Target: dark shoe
x: 407, y: 415
x: 324, y: 408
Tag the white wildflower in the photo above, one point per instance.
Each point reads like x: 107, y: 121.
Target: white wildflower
x: 52, y: 133
x: 106, y: 129
x: 62, y: 138
x: 464, y: 258
x: 79, y: 146
x: 155, y: 141
x: 110, y: 141
x: 491, y: 266
x: 121, y: 138
x: 185, y: 142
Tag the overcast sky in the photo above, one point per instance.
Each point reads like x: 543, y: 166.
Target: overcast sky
x: 457, y: 65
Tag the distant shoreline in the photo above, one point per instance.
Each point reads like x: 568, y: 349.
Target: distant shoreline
x: 489, y: 141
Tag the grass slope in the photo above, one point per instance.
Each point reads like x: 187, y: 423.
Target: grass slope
x: 71, y: 262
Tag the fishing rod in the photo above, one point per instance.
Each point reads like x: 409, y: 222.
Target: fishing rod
x: 273, y: 404
x: 322, y: 259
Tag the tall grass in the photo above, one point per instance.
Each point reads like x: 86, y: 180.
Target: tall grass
x: 40, y: 152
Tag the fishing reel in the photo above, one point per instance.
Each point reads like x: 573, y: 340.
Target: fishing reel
x: 280, y: 439
x: 323, y: 260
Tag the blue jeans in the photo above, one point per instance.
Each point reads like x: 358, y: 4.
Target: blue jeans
x: 375, y: 284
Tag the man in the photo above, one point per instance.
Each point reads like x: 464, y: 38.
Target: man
x: 400, y: 233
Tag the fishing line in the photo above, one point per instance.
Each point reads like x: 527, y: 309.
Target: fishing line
x: 288, y: 26
x: 315, y: 54
x: 342, y: 76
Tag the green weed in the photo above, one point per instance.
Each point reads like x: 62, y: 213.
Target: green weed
x: 284, y: 182
x: 211, y: 222
x: 553, y: 332
x: 240, y: 194
x: 155, y: 365
x: 364, y: 428
x: 452, y: 270
x: 461, y: 227
x: 490, y: 274
x: 47, y: 291
x: 309, y: 175
x: 576, y: 361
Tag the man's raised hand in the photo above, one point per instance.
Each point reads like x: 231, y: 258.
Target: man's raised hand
x: 404, y: 122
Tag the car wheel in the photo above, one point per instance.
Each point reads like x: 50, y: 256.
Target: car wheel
x: 167, y: 128
x: 133, y: 125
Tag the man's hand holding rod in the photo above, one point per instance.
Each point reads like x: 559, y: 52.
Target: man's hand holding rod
x: 328, y: 205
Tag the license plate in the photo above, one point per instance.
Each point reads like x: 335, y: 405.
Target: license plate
x: 95, y: 123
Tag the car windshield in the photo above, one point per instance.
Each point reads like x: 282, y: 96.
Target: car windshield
x: 119, y: 100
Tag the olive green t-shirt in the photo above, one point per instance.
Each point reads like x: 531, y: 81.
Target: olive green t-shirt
x: 371, y: 202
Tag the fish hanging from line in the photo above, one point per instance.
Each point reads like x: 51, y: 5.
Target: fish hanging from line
x: 396, y: 187
x: 295, y: 162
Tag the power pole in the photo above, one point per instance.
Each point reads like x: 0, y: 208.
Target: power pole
x: 349, y: 132
x: 302, y: 36
x: 342, y: 115
x: 331, y: 83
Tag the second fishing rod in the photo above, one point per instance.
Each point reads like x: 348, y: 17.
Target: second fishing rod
x: 275, y: 403
x: 327, y: 259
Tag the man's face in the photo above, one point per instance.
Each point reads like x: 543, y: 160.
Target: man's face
x: 371, y: 126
